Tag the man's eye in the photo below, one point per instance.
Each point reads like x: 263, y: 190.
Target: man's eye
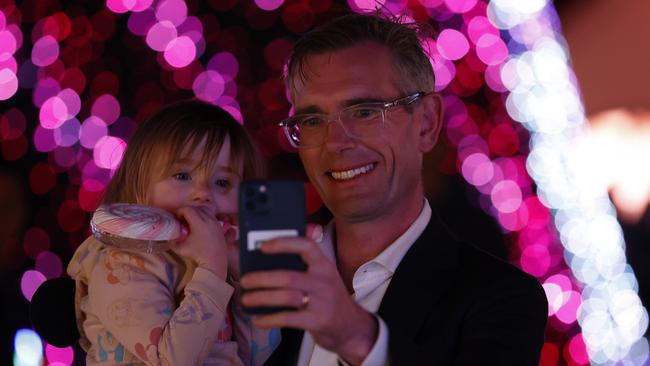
x: 365, y: 113
x: 223, y: 183
x: 182, y: 176
x: 311, y: 122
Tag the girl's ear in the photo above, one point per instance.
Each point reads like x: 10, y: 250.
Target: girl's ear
x: 431, y: 123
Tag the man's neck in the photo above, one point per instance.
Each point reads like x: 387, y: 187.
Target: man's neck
x: 359, y: 242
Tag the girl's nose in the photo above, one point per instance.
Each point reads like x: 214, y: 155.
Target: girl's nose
x: 202, y: 193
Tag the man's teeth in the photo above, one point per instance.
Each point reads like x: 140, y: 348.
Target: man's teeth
x: 349, y: 174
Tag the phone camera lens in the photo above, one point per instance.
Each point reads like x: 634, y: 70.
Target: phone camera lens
x: 262, y: 198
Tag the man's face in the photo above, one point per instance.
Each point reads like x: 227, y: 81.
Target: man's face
x: 360, y: 179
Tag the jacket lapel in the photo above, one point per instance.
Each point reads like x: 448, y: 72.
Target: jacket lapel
x: 422, y: 277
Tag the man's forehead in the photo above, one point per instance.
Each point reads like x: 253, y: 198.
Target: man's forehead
x: 364, y: 70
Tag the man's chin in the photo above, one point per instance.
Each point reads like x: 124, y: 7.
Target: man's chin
x: 355, y: 209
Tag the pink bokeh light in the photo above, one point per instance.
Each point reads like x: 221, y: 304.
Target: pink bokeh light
x: 160, y: 35
x: 141, y: 5
x: 180, y: 52
x: 491, y: 49
x: 92, y: 129
x: 444, y: 70
x: 578, y: 350
x: 53, y: 113
x: 506, y: 196
x: 460, y: 6
x: 477, y: 169
x: 173, y: 11
x: 269, y: 5
x: 44, y: 139
x: 71, y: 100
x: 536, y: 260
x: 514, y: 221
x: 62, y: 356
x: 108, y: 152
x: 208, y: 86
x: 7, y: 61
x: 479, y: 26
x: 225, y: 64
x: 452, y: 44
x: 8, y: 42
x: 569, y: 311
x: 8, y: 83
x: 30, y: 282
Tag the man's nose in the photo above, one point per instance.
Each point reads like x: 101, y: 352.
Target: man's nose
x: 337, y: 135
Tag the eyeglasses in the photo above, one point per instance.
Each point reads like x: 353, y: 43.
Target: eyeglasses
x: 359, y: 120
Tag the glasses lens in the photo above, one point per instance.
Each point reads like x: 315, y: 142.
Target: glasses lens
x: 362, y: 120
x: 309, y: 130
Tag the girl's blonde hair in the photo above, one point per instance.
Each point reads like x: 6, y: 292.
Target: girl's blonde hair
x: 160, y: 140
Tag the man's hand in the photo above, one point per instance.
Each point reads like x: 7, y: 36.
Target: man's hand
x: 324, y: 307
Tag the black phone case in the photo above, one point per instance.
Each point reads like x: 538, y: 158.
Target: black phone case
x: 269, y: 209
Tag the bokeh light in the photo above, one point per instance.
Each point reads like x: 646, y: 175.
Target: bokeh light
x: 28, y: 348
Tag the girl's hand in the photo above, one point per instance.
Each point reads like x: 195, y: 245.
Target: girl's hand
x: 205, y: 243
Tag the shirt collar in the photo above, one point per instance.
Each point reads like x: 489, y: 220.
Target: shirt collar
x: 390, y: 257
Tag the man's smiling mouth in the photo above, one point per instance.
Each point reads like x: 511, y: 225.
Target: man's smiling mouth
x: 352, y: 173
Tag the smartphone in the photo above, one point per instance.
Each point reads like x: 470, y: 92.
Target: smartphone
x: 269, y: 209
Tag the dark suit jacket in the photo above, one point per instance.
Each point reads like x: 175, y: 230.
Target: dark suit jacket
x: 449, y: 303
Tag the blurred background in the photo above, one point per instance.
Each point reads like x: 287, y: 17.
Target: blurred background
x: 545, y: 152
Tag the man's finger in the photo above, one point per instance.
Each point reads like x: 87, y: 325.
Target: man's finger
x: 306, y: 249
x: 274, y: 279
x: 279, y: 297
x: 301, y: 319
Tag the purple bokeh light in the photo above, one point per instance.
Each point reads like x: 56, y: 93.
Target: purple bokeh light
x: 160, y: 35
x: 30, y: 282
x: 45, y: 51
x: 107, y: 108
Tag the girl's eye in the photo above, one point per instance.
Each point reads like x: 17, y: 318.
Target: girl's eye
x: 222, y: 183
x: 182, y: 176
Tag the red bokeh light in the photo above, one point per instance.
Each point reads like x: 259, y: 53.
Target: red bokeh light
x: 42, y: 178
x: 297, y: 17
x: 70, y: 216
x: 13, y: 150
x: 36, y: 241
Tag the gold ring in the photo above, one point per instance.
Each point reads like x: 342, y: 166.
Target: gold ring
x: 305, y: 300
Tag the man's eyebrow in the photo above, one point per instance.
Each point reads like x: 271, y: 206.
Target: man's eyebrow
x: 344, y: 104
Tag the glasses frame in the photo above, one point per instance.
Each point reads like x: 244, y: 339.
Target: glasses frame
x: 288, y: 123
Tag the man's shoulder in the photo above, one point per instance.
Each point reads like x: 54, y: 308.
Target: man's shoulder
x: 473, y: 268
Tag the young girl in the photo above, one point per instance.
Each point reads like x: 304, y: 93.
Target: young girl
x: 171, y: 307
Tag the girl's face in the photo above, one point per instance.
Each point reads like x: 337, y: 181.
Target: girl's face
x: 186, y: 184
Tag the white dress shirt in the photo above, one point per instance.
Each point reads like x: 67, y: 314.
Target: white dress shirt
x: 370, y: 282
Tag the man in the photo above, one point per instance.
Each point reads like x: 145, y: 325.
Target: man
x: 387, y: 284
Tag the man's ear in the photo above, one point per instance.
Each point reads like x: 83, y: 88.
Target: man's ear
x: 431, y: 123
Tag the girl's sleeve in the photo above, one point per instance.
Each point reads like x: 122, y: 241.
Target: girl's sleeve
x: 255, y: 344
x: 132, y: 295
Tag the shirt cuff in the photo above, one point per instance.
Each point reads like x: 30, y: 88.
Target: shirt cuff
x: 212, y: 286
x: 378, y: 355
